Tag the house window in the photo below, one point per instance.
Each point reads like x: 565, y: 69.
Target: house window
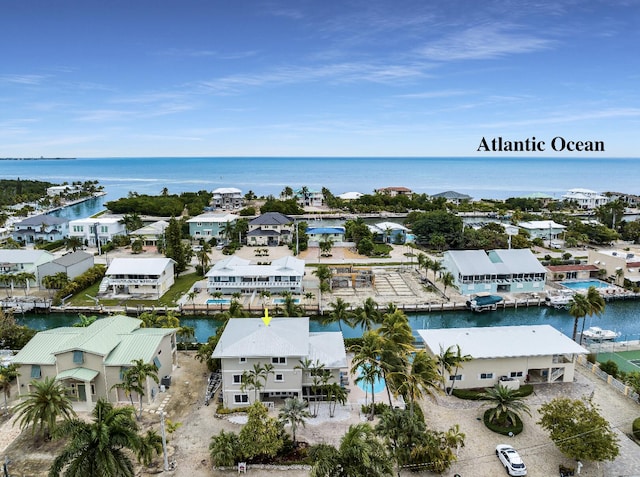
x: 237, y: 379
x: 93, y: 389
x: 486, y: 375
x: 240, y: 398
x: 157, y: 362
x: 279, y: 378
x: 279, y: 360
x: 104, y: 229
x: 243, y: 360
x: 457, y: 377
x: 516, y: 374
x: 35, y: 371
x: 123, y: 370
x: 78, y: 357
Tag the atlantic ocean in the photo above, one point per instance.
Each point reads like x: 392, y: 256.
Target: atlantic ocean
x: 479, y: 177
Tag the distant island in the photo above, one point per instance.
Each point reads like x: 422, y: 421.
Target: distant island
x: 36, y: 158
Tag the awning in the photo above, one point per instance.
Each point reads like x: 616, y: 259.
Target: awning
x: 81, y: 374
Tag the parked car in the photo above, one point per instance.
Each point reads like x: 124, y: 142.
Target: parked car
x: 511, y: 460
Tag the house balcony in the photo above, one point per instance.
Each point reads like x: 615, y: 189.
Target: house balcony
x: 132, y: 281
x: 252, y: 284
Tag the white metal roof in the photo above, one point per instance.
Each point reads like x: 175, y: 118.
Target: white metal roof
x: 250, y: 337
x: 502, y: 341
x: 540, y: 224
x: 23, y: 256
x: 516, y: 261
x: 227, y: 190
x: 236, y: 266
x: 138, y: 266
x: 213, y: 218
x: 471, y: 262
x: 328, y: 348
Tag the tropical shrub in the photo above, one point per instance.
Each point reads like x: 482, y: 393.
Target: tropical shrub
x: 499, y: 429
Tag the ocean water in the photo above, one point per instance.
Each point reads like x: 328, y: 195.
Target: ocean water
x: 480, y: 177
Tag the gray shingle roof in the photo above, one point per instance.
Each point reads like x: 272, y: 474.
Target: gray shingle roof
x: 38, y: 220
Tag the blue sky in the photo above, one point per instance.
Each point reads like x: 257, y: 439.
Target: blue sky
x: 315, y: 78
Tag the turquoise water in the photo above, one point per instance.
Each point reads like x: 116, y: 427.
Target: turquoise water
x: 378, y: 384
x: 280, y: 301
x: 218, y: 301
x: 584, y: 284
x: 622, y: 316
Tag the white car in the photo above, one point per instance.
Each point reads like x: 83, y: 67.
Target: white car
x: 511, y: 460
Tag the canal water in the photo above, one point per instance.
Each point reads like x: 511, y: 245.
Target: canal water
x: 622, y: 316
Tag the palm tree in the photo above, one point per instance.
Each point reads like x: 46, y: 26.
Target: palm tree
x: 56, y: 281
x: 43, y: 405
x: 419, y: 379
x: 447, y: 280
x: 140, y: 373
x: 365, y: 362
x: 25, y: 278
x: 224, y: 449
x: 98, y: 447
x: 7, y: 375
x: 84, y: 321
x: 362, y: 454
x: 435, y: 267
x: 335, y: 394
x: 289, y: 306
x: 458, y: 360
x: 294, y: 412
x: 596, y: 305
x: 367, y: 315
x: 339, y: 313
x: 401, y: 432
x: 578, y: 309
x: 397, y: 345
x: 314, y: 369
x: 73, y: 243
x: 149, y: 444
x: 507, y: 404
x: 256, y: 378
x: 204, y: 259
x: 129, y: 384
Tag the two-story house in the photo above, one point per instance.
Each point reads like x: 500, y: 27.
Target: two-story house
x: 395, y: 191
x: 95, y: 231
x: 227, y: 198
x: 271, y: 228
x: 208, y: 226
x: 46, y: 228
x: 585, y: 198
x: 90, y: 360
x: 14, y: 262
x: 235, y: 274
x: 139, y: 276
x: 285, y: 344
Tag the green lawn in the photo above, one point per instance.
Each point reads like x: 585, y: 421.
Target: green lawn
x: 181, y: 286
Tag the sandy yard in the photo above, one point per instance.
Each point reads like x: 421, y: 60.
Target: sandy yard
x: 188, y: 445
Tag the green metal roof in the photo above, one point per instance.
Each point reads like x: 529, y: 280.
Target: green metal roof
x: 135, y: 346
x: 42, y: 347
x: 102, y: 336
x: 81, y: 374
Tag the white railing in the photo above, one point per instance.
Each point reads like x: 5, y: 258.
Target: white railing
x: 133, y: 281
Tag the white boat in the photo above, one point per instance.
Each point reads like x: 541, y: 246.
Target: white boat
x: 595, y: 333
x: 563, y: 300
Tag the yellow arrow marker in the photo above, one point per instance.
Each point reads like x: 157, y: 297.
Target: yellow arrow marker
x: 266, y: 318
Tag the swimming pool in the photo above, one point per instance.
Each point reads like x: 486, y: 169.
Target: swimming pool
x: 280, y: 301
x: 584, y: 284
x: 378, y: 384
x: 219, y: 301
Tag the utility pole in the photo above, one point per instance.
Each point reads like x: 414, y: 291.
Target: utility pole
x: 164, y: 441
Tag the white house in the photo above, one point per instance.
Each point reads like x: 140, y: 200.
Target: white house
x: 96, y: 230
x: 536, y: 354
x: 13, y: 262
x: 509, y: 271
x: 227, y: 198
x: 309, y: 197
x: 544, y: 229
x: 139, y: 276
x: 62, y: 190
x: 350, y: 196
x: 150, y: 234
x: 47, y: 228
x: 235, y: 274
x: 390, y: 232
x: 585, y: 198
x: 270, y: 228
x: 284, y: 343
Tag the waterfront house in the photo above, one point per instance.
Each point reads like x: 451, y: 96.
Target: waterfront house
x: 617, y: 265
x: 208, y: 226
x: 150, y: 234
x: 572, y: 272
x: 235, y: 274
x: 318, y: 234
x: 15, y: 261
x: 60, y: 190
x: 96, y: 231
x: 452, y: 197
x: 544, y: 229
x: 389, y: 232
x: 348, y: 196
x: 309, y: 198
x: 72, y: 264
x: 535, y: 354
x: 395, y: 191
x: 496, y: 271
x: 284, y: 343
x: 139, y: 276
x: 271, y: 229
x: 585, y: 198
x: 227, y: 198
x: 90, y: 360
x: 45, y: 228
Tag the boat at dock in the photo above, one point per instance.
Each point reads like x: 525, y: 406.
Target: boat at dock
x: 481, y: 303
x: 595, y: 333
x: 562, y: 300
